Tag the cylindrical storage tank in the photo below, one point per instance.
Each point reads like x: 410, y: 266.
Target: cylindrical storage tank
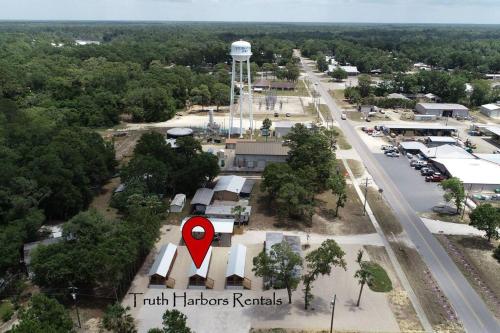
x: 241, y: 50
x: 179, y: 132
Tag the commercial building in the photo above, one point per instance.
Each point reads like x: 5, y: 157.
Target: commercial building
x: 201, y: 199
x: 256, y: 155
x: 476, y: 174
x: 235, y: 273
x: 419, y: 129
x: 436, y: 141
x: 177, y: 203
x: 442, y: 109
x: 228, y: 188
x: 447, y: 152
x: 278, y: 85
x: 159, y: 274
x: 491, y: 110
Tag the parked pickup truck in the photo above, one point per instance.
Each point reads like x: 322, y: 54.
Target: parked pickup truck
x: 435, y: 178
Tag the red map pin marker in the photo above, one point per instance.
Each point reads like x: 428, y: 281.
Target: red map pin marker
x: 198, y: 247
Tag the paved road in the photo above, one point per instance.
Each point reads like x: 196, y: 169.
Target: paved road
x: 421, y: 196
x: 468, y: 305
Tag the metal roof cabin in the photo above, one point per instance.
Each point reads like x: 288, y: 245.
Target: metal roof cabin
x: 235, y: 272
x: 162, y: 266
x: 198, y: 277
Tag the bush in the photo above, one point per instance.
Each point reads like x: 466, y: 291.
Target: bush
x: 6, y: 311
x: 496, y: 253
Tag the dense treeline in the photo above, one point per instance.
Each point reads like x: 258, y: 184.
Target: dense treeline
x: 158, y: 169
x: 102, y: 256
x: 47, y: 170
x: 145, y: 72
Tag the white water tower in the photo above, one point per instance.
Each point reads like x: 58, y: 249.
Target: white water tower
x: 241, y: 52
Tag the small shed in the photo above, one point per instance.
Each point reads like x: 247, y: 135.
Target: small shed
x: 201, y: 199
x: 228, y: 188
x: 235, y: 273
x: 159, y: 274
x: 177, y: 203
x: 223, y: 230
x: 198, y: 277
x: 247, y: 188
x: 283, y: 85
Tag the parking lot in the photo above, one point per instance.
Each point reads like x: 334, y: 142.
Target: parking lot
x: 421, y: 195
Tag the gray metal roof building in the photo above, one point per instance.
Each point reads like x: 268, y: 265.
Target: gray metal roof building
x: 203, y: 196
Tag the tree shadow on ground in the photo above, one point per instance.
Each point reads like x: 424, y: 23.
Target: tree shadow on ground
x: 476, y: 243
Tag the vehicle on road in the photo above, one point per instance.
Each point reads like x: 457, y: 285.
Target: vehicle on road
x: 393, y: 154
x: 287, y: 114
x: 276, y: 114
x: 343, y: 116
x: 368, y: 120
x: 435, y: 178
x: 410, y: 156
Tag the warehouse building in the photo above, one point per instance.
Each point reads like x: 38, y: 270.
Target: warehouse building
x: 436, y: 141
x: 419, y: 129
x: 256, y: 155
x: 228, y: 188
x: 442, y: 109
x: 491, y: 110
x: 477, y: 174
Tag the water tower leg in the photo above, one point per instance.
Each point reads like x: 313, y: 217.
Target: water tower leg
x: 241, y: 99
x: 231, y: 101
x: 250, y: 110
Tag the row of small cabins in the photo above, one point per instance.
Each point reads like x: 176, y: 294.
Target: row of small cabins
x: 160, y: 272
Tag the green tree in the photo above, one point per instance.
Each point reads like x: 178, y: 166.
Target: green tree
x: 220, y: 94
x: 364, y: 276
x: 174, y: 321
x: 117, y: 319
x: 238, y: 211
x: 337, y: 184
x: 279, y: 267
x: 481, y: 93
x: 320, y: 262
x: 486, y: 218
x: 44, y: 314
x: 364, y: 85
x: 321, y: 63
x: 454, y: 191
x: 201, y: 95
x: 339, y: 74
x: 267, y: 123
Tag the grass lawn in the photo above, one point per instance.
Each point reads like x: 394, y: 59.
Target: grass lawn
x: 6, y: 311
x: 383, y: 213
x: 356, y: 167
x: 380, y: 280
x: 341, y: 140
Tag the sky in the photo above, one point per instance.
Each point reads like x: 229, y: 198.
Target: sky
x: 376, y: 11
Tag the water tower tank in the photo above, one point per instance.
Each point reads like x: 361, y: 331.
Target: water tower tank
x: 241, y: 50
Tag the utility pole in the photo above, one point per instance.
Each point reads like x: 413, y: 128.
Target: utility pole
x: 74, y: 293
x: 366, y: 195
x: 332, y: 303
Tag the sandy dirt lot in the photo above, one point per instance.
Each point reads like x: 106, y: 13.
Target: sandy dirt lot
x: 374, y: 314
